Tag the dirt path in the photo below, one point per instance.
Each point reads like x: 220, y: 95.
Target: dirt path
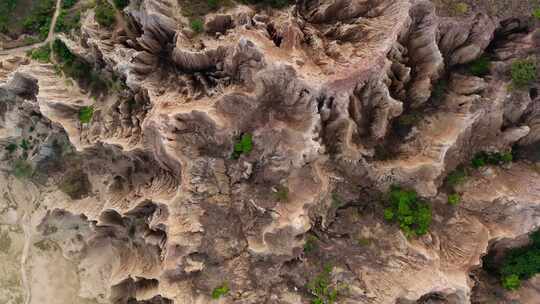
x: 50, y: 37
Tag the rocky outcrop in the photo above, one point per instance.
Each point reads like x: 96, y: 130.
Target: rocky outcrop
x: 254, y: 154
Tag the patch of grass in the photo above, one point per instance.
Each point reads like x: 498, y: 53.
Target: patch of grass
x: 197, y: 25
x: 41, y: 54
x: 523, y: 72
x: 22, y: 169
x: 364, y: 241
x: 104, y: 13
x: 311, y: 244
x: 337, y: 201
x: 85, y: 114
x: 454, y: 199
x: 220, y: 291
x: 282, y: 193
x: 322, y: 289
x: 511, y: 282
x: 536, y: 13
x: 243, y: 146
x: 480, y: 67
x: 461, y: 8
x: 483, y: 158
x: 411, y: 213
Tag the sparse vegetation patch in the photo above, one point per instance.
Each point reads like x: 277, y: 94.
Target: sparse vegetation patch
x: 523, y: 72
x: 220, y: 291
x: 243, y: 146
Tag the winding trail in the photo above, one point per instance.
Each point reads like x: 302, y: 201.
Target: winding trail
x: 49, y: 40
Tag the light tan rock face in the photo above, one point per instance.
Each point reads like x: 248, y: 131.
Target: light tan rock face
x: 147, y: 203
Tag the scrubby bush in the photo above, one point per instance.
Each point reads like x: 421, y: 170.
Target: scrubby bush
x: 104, y: 13
x: 483, y: 158
x: 461, y: 8
x: 480, y: 66
x: 518, y: 264
x: 66, y: 22
x: 213, y: 4
x: 456, y: 177
x: 22, y: 169
x: 68, y: 3
x: 322, y: 289
x: 12, y: 147
x: 454, y: 199
x: 121, y: 4
x: 41, y: 54
x: 220, y: 291
x: 536, y: 13
x: 6, y: 9
x: 85, y: 114
x: 243, y: 146
x: 311, y: 244
x: 411, y: 213
x: 39, y: 19
x: 197, y: 25
x: 523, y: 72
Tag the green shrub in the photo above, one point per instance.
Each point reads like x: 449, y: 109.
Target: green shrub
x: 320, y: 287
x: 536, y: 13
x: 523, y: 72
x: 220, y: 291
x: 480, y: 67
x: 456, y: 177
x: 6, y: 11
x: 22, y: 169
x: 85, y: 114
x: 243, y: 146
x: 197, y: 25
x: 41, y: 54
x: 411, y: 213
x: 213, y: 4
x: 40, y: 18
x: 439, y: 89
x: 518, y: 264
x: 121, y: 4
x: 12, y: 147
x: 454, y: 199
x: 66, y: 22
x: 62, y: 52
x: 311, y: 244
x: 483, y: 158
x: 68, y: 3
x: 511, y: 282
x: 461, y: 8
x: 25, y: 145
x: 104, y: 13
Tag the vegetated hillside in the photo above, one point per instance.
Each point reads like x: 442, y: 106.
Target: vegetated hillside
x: 165, y: 151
